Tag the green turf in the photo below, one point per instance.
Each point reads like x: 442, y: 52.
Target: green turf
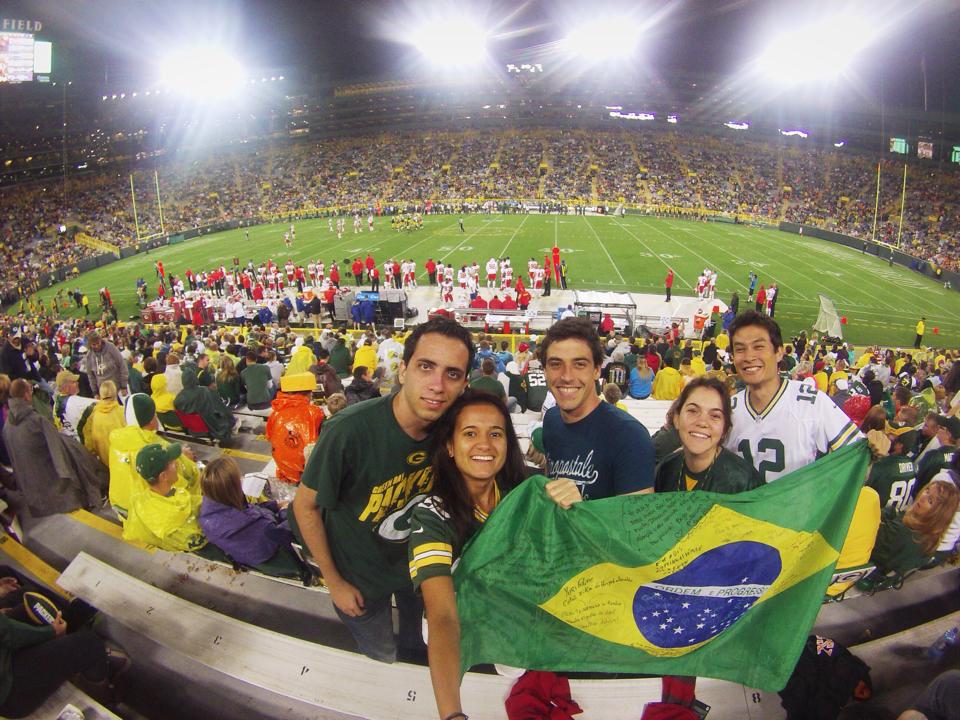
x: 882, y: 304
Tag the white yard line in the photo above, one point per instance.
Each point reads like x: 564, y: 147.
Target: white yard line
x: 798, y: 258
x: 722, y: 272
x: 604, y: 247
x: 455, y: 248
x: 796, y: 293
x: 504, y: 251
x: 650, y: 250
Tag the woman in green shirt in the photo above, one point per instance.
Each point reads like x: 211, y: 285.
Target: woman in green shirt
x: 228, y: 382
x: 703, y: 417
x: 476, y: 461
x: 906, y: 540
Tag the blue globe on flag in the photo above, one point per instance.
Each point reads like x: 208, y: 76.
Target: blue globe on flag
x: 707, y: 596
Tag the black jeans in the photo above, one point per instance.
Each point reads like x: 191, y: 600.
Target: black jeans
x: 39, y: 670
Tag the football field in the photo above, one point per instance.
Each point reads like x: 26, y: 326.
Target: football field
x: 882, y: 304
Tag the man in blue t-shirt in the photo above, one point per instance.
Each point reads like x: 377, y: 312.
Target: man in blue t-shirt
x: 594, y: 450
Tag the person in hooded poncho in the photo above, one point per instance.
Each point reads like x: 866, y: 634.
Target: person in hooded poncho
x: 161, y: 396
x: 204, y: 402
x: 107, y: 416
x: 293, y: 424
x: 301, y: 359
x: 54, y: 472
x: 667, y: 384
x: 142, y: 424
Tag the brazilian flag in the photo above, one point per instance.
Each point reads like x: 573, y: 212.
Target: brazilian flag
x: 687, y: 583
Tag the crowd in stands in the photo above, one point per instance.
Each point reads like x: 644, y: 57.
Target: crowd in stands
x: 669, y: 172
x: 86, y: 409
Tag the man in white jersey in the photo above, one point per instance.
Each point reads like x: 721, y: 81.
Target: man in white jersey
x: 492, y: 272
x: 441, y: 274
x: 506, y: 276
x: 538, y: 275
x: 779, y: 425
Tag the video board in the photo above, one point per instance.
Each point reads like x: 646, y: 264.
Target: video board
x: 16, y: 57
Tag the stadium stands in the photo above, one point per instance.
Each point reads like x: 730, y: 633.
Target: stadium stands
x: 657, y: 171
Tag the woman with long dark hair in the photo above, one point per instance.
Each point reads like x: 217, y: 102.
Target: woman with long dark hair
x: 476, y: 461
x: 703, y: 417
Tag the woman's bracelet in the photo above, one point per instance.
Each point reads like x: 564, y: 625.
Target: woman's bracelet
x: 458, y: 714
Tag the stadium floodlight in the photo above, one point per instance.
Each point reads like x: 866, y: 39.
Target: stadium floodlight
x: 201, y: 73
x: 451, y: 40
x: 817, y: 51
x: 840, y: 143
x: 795, y: 133
x: 602, y: 39
x: 672, y: 119
x: 737, y: 125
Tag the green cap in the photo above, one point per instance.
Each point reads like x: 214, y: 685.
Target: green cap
x: 154, y: 458
x: 536, y: 439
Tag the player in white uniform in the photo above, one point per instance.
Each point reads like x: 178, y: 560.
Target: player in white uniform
x: 441, y: 272
x: 370, y: 222
x: 506, y: 277
x: 446, y: 289
x: 779, y: 425
x: 492, y: 272
x: 462, y: 277
x: 532, y: 270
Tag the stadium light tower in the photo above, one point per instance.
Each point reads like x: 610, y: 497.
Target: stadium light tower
x: 817, y: 51
x: 603, y: 39
x: 451, y: 40
x: 202, y: 73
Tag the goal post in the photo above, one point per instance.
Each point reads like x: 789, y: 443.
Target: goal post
x: 141, y: 235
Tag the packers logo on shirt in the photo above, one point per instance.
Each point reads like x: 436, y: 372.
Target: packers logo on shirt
x: 418, y: 457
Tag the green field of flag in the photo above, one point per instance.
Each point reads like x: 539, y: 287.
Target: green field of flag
x: 692, y: 583
x: 882, y: 303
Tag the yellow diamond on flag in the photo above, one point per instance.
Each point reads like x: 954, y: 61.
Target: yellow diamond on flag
x: 727, y: 563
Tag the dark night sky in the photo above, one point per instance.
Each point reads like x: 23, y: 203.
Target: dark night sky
x: 114, y: 42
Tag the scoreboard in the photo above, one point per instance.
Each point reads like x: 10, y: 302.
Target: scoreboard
x: 23, y: 58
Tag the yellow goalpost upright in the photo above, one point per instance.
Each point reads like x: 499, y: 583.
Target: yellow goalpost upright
x: 141, y: 236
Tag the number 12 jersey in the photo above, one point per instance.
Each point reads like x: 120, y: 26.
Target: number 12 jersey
x: 798, y: 425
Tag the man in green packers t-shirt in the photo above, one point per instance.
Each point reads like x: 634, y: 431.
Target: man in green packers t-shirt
x: 369, y: 469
